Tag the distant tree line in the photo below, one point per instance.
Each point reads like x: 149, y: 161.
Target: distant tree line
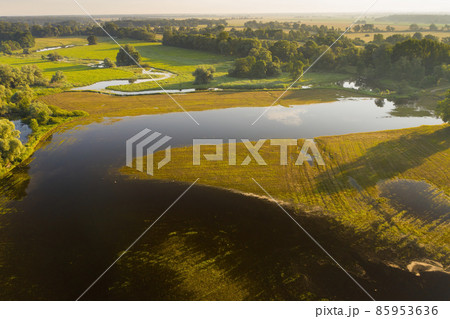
x: 20, y: 35
x: 14, y: 36
x: 417, y: 18
x: 418, y: 61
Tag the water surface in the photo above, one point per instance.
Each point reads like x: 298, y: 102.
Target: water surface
x: 72, y: 215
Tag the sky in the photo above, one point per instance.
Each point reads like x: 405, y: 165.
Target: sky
x: 69, y: 7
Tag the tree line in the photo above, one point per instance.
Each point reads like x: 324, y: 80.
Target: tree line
x: 18, y: 100
x: 420, y: 61
x: 20, y: 35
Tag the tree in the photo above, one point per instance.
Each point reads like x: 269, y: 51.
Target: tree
x: 444, y: 108
x: 203, y: 75
x: 273, y: 69
x: 284, y: 49
x: 390, y: 29
x: 433, y: 27
x: 22, y: 99
x: 417, y: 36
x: 431, y: 37
x: 128, y: 55
x: 242, y: 67
x: 39, y: 111
x: 414, y: 27
x: 10, y: 146
x: 296, y: 68
x: 53, y: 56
x: 259, y: 69
x: 6, y: 48
x: 108, y: 63
x: 378, y: 38
x: 92, y: 40
x: 58, y: 77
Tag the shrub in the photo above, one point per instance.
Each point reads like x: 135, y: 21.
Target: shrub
x: 11, y: 147
x: 128, y: 55
x: 58, y: 77
x: 203, y: 75
x: 108, y: 63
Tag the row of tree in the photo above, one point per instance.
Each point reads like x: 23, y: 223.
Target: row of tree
x: 420, y: 61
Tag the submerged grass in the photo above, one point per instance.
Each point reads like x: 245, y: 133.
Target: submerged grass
x: 345, y: 189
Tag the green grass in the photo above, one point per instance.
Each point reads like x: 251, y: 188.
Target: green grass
x: 223, y: 81
x: 77, y: 59
x: 181, y: 62
x: 42, y: 43
x: 418, y: 154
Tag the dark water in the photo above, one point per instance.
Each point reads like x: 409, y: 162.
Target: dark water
x: 418, y: 198
x: 71, y: 216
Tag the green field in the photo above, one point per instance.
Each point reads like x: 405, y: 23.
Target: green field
x: 180, y: 62
x: 76, y: 61
x: 347, y: 188
x: 75, y: 64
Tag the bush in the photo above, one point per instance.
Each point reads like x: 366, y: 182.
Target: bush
x: 444, y: 108
x: 40, y: 111
x: 58, y: 77
x: 92, y: 40
x: 108, y: 63
x: 53, y: 56
x: 11, y: 147
x: 127, y: 55
x: 203, y: 75
x: 34, y: 125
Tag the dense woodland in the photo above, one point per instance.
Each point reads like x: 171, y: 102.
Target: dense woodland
x: 396, y: 62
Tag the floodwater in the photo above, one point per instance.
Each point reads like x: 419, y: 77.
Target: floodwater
x: 102, y: 86
x: 419, y: 199
x: 24, y: 130
x: 70, y: 215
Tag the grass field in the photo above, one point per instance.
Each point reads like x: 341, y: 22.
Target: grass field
x: 346, y: 189
x: 102, y: 105
x: 77, y: 62
x: 77, y: 59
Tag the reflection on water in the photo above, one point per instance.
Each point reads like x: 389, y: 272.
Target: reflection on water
x: 300, y: 121
x: 24, y: 130
x: 418, y: 199
x: 286, y: 116
x: 407, y: 108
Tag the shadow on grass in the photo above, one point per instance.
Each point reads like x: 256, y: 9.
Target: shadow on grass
x: 388, y: 159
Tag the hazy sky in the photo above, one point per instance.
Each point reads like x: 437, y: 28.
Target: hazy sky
x: 54, y: 7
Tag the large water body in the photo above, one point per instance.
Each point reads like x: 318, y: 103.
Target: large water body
x: 72, y: 214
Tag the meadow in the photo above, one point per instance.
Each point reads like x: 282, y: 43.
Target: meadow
x: 79, y: 60
x: 348, y: 188
x: 103, y: 105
